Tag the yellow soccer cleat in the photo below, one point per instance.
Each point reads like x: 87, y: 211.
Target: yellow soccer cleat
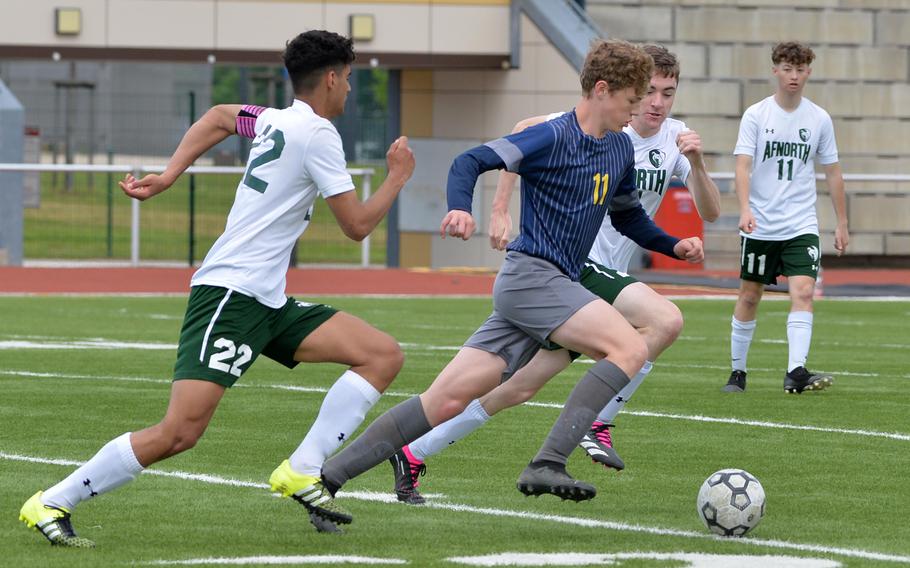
x: 309, y: 491
x: 52, y: 522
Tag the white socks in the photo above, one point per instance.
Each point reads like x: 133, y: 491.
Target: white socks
x: 799, y: 336
x: 740, y: 339
x: 114, y: 465
x: 450, y: 431
x: 343, y: 410
x: 622, y: 397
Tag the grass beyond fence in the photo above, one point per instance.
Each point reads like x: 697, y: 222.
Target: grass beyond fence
x: 92, y: 221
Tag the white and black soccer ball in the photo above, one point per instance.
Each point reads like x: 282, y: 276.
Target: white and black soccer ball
x: 731, y: 502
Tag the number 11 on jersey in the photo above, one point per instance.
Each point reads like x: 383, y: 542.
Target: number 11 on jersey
x: 601, y: 188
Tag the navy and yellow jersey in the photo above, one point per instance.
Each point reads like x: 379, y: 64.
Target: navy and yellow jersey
x: 568, y: 181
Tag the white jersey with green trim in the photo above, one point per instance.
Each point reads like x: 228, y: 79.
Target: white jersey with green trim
x: 783, y: 146
x: 657, y: 161
x: 295, y: 154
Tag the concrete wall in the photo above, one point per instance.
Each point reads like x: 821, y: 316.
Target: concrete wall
x: 415, y: 26
x: 861, y: 76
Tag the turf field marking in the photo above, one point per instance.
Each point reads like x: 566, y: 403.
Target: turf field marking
x: 691, y: 560
x: 87, y: 344
x: 317, y: 559
x: 524, y: 515
x: 643, y: 413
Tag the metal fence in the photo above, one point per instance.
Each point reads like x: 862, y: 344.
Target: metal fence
x: 91, y: 221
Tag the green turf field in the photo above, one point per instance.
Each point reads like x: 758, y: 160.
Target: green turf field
x: 833, y: 464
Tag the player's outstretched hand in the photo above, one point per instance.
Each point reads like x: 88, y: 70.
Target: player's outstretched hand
x: 142, y: 189
x: 690, y: 250
x: 400, y: 159
x: 689, y: 144
x: 500, y: 229
x: 457, y: 223
x: 747, y: 222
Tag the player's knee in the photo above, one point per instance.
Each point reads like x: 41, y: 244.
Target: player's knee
x: 449, y: 408
x: 671, y: 324
x: 387, y: 358
x: 634, y: 353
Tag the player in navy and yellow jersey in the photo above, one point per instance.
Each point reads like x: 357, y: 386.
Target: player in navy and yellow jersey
x: 665, y: 149
x: 573, y: 169
x: 237, y: 309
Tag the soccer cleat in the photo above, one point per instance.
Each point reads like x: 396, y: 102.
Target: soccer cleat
x: 323, y: 525
x: 736, y: 382
x: 407, y: 470
x: 310, y: 492
x: 598, y: 444
x: 551, y: 477
x: 54, y: 523
x: 800, y: 379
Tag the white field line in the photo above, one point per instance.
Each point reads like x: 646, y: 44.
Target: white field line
x: 280, y: 560
x: 23, y: 342
x: 524, y: 515
x: 642, y: 413
x: 723, y: 294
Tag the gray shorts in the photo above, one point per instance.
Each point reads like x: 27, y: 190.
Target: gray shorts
x: 531, y: 298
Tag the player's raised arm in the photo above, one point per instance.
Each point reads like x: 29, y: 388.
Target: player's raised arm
x: 216, y: 124
x: 358, y: 218
x: 835, y: 181
x: 703, y: 189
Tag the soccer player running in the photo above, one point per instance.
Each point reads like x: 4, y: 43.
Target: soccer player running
x: 775, y: 182
x: 237, y: 309
x: 664, y: 148
x: 573, y: 168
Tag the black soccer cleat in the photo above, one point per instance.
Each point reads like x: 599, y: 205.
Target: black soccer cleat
x: 800, y: 379
x: 407, y: 469
x: 736, y: 382
x: 543, y: 477
x: 598, y: 444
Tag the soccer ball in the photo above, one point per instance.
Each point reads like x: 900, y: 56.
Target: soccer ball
x: 731, y: 502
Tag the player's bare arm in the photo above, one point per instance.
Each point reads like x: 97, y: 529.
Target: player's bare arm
x: 216, y: 124
x: 703, y: 189
x: 835, y: 181
x: 358, y: 218
x: 500, y: 219
x: 741, y: 182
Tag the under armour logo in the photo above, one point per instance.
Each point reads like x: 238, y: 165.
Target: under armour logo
x: 341, y: 437
x: 88, y: 483
x: 620, y: 399
x: 769, y: 131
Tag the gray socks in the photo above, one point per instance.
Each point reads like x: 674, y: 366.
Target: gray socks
x: 595, y: 389
x: 399, y: 426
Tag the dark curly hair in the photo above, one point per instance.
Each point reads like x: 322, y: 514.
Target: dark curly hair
x: 311, y: 53
x: 792, y: 52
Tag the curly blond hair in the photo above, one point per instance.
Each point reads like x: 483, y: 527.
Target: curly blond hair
x: 792, y: 52
x: 619, y: 63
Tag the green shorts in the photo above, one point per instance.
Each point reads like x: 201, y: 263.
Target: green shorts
x: 604, y: 282
x: 763, y: 261
x: 224, y: 331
